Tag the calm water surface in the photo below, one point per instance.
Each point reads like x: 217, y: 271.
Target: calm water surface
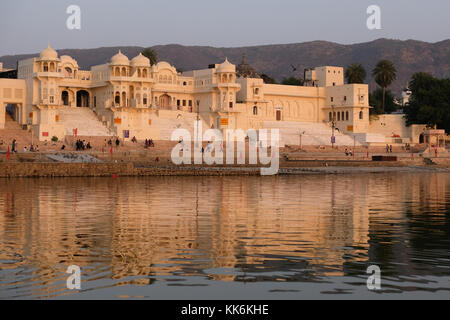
x: 286, y: 237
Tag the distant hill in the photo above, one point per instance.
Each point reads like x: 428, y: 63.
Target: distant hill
x: 275, y: 60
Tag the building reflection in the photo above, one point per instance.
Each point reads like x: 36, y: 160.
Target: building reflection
x: 293, y: 228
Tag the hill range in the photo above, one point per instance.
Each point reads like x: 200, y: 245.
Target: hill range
x: 279, y: 60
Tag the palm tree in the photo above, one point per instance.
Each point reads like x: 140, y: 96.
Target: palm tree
x: 150, y: 54
x: 384, y: 74
x: 355, y: 73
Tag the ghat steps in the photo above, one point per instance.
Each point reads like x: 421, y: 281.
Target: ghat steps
x: 186, y: 121
x: 315, y: 134
x: 12, y: 131
x: 84, y: 120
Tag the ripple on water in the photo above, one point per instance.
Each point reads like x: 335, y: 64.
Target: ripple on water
x: 211, y: 232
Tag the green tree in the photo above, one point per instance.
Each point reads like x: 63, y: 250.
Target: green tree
x: 376, y: 101
x: 429, y: 102
x: 355, y: 73
x: 151, y: 55
x: 292, y: 81
x: 384, y: 74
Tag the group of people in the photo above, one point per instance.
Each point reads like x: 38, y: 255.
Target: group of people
x: 110, y: 142
x: 348, y: 152
x: 149, y: 143
x: 82, y: 145
x: 32, y: 148
x: 389, y: 148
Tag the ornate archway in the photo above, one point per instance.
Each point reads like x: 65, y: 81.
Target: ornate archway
x: 164, y: 102
x: 83, y: 98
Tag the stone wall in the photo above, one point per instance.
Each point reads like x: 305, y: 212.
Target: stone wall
x: 64, y: 169
x: 29, y: 169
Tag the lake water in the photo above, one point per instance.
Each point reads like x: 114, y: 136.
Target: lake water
x: 285, y: 237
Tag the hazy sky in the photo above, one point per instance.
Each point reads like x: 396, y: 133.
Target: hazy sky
x: 26, y: 26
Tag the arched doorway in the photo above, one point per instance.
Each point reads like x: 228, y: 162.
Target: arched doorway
x: 65, y: 98
x: 421, y: 138
x: 164, y: 102
x: 83, y: 98
x: 12, y: 112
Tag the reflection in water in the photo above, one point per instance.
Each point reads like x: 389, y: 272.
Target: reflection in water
x: 142, y: 231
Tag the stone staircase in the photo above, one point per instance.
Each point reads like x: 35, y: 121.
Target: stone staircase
x: 84, y: 120
x: 167, y: 126
x: 316, y: 134
x: 12, y: 131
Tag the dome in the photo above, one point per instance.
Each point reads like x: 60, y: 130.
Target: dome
x: 120, y: 59
x: 48, y: 54
x: 140, y: 61
x: 68, y: 59
x: 163, y: 65
x: 226, y: 66
x: 244, y: 70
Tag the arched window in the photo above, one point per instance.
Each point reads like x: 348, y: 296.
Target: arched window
x: 361, y: 115
x: 342, y: 116
x: 68, y: 72
x: 144, y: 73
x: 124, y: 72
x: 117, y: 98
x: 139, y: 73
x: 330, y: 117
x: 346, y: 115
x: 339, y: 116
x: 255, y: 110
